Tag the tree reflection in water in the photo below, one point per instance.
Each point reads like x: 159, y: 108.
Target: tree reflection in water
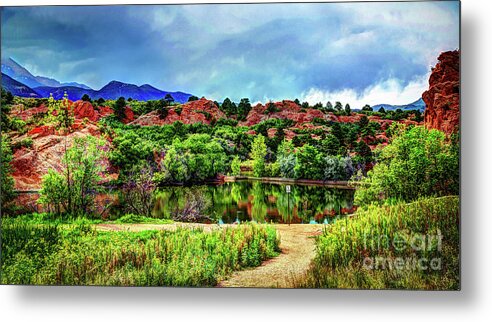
x: 262, y: 202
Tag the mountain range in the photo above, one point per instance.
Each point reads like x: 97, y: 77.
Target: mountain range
x: 417, y: 105
x: 20, y: 82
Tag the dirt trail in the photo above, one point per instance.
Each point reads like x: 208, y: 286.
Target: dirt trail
x: 298, y: 250
x: 297, y: 244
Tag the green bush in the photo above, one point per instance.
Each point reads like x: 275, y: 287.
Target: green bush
x: 236, y: 166
x: 72, y: 191
x: 418, y: 162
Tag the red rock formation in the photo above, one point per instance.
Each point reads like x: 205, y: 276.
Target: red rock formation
x: 442, y: 99
x: 84, y: 109
x: 201, y: 110
x: 25, y: 114
x: 48, y: 148
x: 129, y: 116
x: 105, y: 111
x: 284, y: 110
x: 40, y: 131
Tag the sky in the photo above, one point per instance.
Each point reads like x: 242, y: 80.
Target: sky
x: 356, y: 53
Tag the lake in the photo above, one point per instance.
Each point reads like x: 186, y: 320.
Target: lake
x: 244, y: 201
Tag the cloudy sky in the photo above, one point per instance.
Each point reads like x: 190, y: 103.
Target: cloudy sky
x: 351, y: 52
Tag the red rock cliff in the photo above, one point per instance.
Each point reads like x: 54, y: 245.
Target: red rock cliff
x: 442, y: 99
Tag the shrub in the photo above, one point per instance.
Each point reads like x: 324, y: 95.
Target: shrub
x: 236, y: 166
x: 258, y: 155
x: 7, y: 193
x: 137, y: 192
x: 418, y: 162
x: 72, y: 191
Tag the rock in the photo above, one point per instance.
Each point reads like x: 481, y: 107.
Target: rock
x: 129, y: 116
x: 442, y: 99
x: 41, y: 131
x: 84, y: 109
x: 283, y: 110
x: 30, y: 164
x: 26, y: 114
x: 201, y: 110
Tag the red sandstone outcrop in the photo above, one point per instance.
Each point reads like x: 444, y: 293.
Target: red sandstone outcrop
x: 282, y: 110
x: 201, y: 110
x: 46, y: 152
x: 83, y: 109
x: 442, y: 99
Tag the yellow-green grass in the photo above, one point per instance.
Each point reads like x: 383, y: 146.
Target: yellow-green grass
x: 404, y: 246
x: 80, y: 255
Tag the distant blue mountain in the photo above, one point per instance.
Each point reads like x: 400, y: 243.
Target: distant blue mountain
x: 74, y: 93
x: 13, y: 69
x: 417, y: 105
x: 113, y: 90
x: 17, y: 88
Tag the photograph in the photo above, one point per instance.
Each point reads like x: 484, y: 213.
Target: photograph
x: 242, y: 145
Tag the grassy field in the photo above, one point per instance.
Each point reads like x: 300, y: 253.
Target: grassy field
x: 405, y: 246
x: 77, y: 254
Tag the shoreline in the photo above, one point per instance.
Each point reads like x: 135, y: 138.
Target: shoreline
x: 303, y: 182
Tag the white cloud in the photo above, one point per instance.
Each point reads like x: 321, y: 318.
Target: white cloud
x: 390, y: 91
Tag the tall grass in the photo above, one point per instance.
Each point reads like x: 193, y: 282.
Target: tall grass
x: 380, y: 248
x: 185, y: 257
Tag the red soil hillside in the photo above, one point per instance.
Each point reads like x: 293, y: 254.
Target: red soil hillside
x: 81, y: 110
x: 46, y: 152
x: 285, y: 110
x: 443, y: 96
x: 201, y: 110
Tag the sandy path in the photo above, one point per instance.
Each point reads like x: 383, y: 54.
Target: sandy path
x: 298, y: 250
x: 297, y: 244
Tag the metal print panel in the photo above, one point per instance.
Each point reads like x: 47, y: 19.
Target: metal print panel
x: 285, y: 145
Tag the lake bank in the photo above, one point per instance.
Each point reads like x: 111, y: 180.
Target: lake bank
x: 304, y: 182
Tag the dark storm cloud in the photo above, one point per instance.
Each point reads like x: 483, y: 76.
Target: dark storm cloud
x: 259, y: 51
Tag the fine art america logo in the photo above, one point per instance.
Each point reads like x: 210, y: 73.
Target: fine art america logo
x: 417, y: 251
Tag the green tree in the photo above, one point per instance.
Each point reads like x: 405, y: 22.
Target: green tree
x: 195, y: 159
x: 61, y: 112
x: 367, y: 108
x: 309, y: 163
x: 418, y: 116
x: 382, y: 110
x: 7, y: 193
x: 258, y: 155
x: 192, y: 98
x: 169, y: 98
x: 86, y: 98
x: 72, y: 191
x: 418, y: 162
x: 338, y: 106
x: 119, y: 108
x: 5, y: 111
x: 236, y: 166
x: 286, y: 159
x: 329, y: 106
x: 330, y: 144
x: 347, y: 109
x: 243, y: 109
x: 228, y: 107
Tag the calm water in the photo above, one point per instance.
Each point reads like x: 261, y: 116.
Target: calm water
x: 244, y: 201
x: 262, y: 202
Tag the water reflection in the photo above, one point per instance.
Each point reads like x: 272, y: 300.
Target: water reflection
x: 262, y: 202
x: 234, y: 202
